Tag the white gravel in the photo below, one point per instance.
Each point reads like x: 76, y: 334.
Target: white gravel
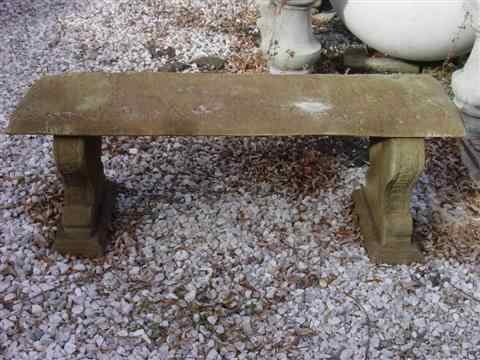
x: 222, y: 248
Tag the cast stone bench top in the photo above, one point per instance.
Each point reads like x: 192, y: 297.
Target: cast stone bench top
x: 138, y: 104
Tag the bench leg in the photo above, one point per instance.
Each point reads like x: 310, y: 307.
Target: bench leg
x: 88, y: 200
x: 382, y: 207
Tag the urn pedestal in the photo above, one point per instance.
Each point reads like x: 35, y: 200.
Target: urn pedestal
x: 265, y: 16
x: 466, y: 86
x: 466, y: 82
x: 287, y: 35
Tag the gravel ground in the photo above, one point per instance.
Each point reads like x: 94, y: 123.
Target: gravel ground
x: 222, y: 248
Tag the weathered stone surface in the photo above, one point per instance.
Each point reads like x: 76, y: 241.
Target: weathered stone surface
x: 209, y: 62
x: 157, y: 51
x: 383, y: 205
x: 96, y: 104
x: 87, y: 196
x: 173, y: 67
x: 357, y: 58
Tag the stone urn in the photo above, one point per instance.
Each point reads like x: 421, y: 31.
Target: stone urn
x: 426, y: 30
x: 291, y: 45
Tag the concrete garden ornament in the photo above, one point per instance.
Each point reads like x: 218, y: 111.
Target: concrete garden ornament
x: 287, y: 36
x: 417, y: 30
x: 466, y: 82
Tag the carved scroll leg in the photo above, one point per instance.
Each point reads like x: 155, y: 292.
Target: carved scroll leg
x: 88, y: 200
x: 383, y: 205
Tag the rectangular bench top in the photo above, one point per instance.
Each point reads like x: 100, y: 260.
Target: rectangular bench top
x: 95, y: 104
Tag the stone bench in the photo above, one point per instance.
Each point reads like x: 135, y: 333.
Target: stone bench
x: 396, y: 112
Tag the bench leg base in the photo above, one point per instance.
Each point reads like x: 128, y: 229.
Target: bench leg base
x: 88, y: 196
x: 87, y: 241
x: 390, y: 252
x: 382, y: 206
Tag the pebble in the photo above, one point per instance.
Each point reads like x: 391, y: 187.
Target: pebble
x: 99, y: 340
x: 212, y: 355
x: 77, y: 310
x: 190, y: 296
x: 212, y: 320
x: 9, y: 297
x: 37, y: 334
x: 79, y: 267
x: 139, y: 333
x: 63, y: 267
x: 37, y: 310
x: 271, y: 291
x: 70, y: 347
x: 181, y: 255
x: 240, y: 346
x: 346, y: 354
x: 220, y: 329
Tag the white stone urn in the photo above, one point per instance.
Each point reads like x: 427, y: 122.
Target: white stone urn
x: 417, y: 30
x: 292, y: 46
x: 466, y: 82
